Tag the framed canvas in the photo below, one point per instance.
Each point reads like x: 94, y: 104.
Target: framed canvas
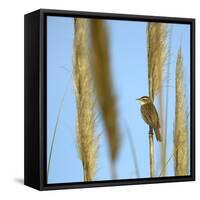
x: 109, y: 99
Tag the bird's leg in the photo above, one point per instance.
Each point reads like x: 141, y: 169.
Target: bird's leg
x: 150, y: 130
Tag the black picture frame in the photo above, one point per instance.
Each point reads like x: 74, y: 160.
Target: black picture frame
x: 35, y: 99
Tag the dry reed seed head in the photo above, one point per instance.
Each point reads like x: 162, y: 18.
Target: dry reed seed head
x: 156, y: 38
x: 181, y: 134
x: 86, y: 139
x: 103, y: 84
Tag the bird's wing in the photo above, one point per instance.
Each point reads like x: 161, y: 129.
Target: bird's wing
x: 150, y: 115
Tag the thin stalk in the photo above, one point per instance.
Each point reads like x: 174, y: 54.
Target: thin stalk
x: 162, y: 130
x: 133, y: 151
x: 55, y: 131
x: 164, y: 144
x: 151, y: 151
x: 172, y: 155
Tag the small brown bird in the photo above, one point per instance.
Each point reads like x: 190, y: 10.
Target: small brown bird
x: 150, y: 115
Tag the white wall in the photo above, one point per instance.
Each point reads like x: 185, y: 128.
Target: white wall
x: 11, y: 98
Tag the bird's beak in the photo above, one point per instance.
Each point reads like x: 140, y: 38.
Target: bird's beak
x: 137, y: 99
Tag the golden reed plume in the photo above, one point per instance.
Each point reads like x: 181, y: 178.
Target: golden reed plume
x: 103, y: 83
x: 157, y: 54
x: 180, y: 133
x: 156, y: 39
x: 86, y: 140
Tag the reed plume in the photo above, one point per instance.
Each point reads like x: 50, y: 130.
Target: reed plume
x: 156, y: 34
x: 156, y: 39
x: 86, y: 140
x: 180, y: 133
x: 103, y: 83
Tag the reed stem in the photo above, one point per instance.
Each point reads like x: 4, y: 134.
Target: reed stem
x: 151, y: 151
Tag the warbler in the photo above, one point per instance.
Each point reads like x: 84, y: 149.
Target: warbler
x: 150, y: 115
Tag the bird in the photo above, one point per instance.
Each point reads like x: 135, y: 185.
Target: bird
x: 150, y: 115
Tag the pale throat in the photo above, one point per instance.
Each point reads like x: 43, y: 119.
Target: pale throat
x: 142, y: 103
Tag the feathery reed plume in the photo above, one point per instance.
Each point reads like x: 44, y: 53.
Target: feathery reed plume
x: 103, y: 84
x: 86, y: 140
x: 156, y: 34
x: 180, y: 134
x: 156, y: 38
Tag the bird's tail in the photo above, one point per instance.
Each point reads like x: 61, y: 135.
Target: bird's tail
x: 158, y: 134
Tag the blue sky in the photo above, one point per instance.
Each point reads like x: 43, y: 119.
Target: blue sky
x: 128, y: 52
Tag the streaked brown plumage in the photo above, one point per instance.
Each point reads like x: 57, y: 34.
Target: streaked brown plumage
x: 150, y: 115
